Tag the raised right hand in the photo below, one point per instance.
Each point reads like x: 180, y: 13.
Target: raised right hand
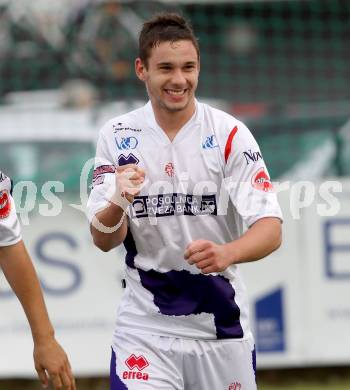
x: 129, y: 180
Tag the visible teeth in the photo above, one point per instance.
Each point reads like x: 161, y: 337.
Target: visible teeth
x: 173, y: 92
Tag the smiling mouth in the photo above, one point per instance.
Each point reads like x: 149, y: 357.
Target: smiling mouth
x: 175, y: 92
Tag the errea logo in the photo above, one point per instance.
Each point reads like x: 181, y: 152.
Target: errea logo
x: 139, y: 363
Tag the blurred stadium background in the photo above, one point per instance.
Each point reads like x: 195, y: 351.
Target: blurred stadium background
x: 281, y: 66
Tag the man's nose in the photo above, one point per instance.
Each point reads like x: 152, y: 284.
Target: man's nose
x: 178, y: 77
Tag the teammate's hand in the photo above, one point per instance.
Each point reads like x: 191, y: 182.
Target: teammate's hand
x: 129, y: 180
x: 207, y: 256
x: 52, y: 365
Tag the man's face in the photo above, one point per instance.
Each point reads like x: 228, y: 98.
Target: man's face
x: 171, y: 77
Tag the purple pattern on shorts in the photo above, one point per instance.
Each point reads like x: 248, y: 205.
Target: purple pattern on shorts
x: 180, y: 293
x: 115, y: 382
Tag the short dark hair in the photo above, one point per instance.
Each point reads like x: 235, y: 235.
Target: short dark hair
x: 164, y: 27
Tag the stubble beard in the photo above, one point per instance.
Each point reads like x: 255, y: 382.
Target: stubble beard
x: 175, y: 108
x: 162, y: 104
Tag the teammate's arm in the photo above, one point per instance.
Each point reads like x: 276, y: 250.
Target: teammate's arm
x: 51, y: 362
x: 261, y: 239
x: 109, y: 226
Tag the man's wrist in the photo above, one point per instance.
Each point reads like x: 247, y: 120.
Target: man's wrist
x: 43, y: 336
x: 232, y: 253
x: 120, y: 201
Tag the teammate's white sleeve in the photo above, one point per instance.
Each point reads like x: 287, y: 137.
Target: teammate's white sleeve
x: 10, y: 231
x: 103, y: 182
x: 247, y: 178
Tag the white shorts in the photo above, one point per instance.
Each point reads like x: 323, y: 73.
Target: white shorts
x: 147, y: 362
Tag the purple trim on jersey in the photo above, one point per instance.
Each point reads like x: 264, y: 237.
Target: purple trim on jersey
x: 130, y: 248
x: 254, y: 362
x: 114, y: 380
x: 182, y: 293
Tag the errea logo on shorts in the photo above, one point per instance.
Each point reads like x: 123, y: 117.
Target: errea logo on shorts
x: 139, y: 363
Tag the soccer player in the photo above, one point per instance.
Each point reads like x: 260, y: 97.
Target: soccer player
x: 175, y: 181
x: 51, y: 362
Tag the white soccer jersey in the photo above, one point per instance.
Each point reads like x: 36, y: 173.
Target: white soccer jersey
x: 205, y: 184
x: 10, y: 232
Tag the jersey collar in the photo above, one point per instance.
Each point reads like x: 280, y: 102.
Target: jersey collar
x: 193, y: 122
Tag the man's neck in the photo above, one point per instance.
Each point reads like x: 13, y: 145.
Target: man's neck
x: 172, y: 122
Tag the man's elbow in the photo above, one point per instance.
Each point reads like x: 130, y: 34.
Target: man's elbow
x: 104, y: 245
x: 278, y: 237
x: 107, y: 242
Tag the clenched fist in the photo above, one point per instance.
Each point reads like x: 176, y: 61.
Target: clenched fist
x: 207, y: 256
x: 129, y: 180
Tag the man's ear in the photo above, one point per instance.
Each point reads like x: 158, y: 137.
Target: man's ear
x: 140, y: 69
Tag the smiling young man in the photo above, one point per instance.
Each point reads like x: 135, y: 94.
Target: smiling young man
x: 172, y: 184
x: 51, y: 362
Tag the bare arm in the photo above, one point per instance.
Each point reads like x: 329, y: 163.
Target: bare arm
x: 110, y: 217
x: 109, y: 227
x: 49, y: 357
x: 261, y: 239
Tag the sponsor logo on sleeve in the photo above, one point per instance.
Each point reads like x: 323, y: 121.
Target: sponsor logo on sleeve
x: 261, y: 181
x: 136, y: 366
x: 99, y: 172
x: 252, y: 157
x: 5, y: 204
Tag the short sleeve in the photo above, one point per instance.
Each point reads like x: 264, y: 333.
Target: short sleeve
x: 10, y: 231
x: 103, y: 181
x: 247, y: 179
